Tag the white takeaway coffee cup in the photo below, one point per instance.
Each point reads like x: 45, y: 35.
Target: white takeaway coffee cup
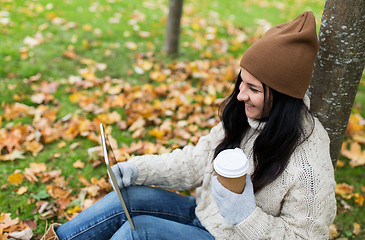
x: 231, y: 166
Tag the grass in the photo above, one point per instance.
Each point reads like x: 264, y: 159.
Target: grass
x: 86, y: 28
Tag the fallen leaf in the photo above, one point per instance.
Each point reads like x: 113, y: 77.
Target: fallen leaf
x: 21, y: 190
x: 345, y: 190
x: 15, y: 178
x: 70, y: 54
x: 6, y: 221
x: 87, y: 27
x: 333, y: 233
x: 356, y: 230
x: 16, y: 154
x: 355, y: 154
x: 34, y: 147
x: 359, y: 199
x: 340, y: 163
x: 355, y: 124
x: 25, y: 234
x: 78, y: 164
x: 131, y: 45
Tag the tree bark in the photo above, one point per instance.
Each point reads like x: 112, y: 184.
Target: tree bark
x: 171, y: 45
x: 338, y: 67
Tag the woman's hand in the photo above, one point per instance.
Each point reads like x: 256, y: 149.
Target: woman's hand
x: 234, y: 207
x: 125, y: 173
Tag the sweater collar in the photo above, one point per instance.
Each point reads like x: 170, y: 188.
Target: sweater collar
x: 256, y: 124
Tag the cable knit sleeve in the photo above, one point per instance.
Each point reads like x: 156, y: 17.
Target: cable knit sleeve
x: 308, y: 204
x: 182, y: 169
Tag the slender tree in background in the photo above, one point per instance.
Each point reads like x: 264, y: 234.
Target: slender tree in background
x: 171, y: 45
x: 338, y: 67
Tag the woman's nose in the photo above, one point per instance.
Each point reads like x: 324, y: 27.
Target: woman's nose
x: 242, y: 96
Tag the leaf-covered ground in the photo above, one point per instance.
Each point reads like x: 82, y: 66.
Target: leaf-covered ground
x: 67, y: 66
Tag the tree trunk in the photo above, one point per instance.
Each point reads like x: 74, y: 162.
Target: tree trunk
x: 171, y: 46
x: 338, y: 67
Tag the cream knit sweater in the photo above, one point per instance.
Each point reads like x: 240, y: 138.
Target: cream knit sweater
x: 299, y: 204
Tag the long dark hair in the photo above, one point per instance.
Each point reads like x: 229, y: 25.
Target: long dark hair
x: 281, y: 134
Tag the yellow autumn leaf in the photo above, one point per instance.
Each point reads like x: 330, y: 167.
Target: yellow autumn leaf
x: 145, y: 65
x: 73, y: 210
x: 345, y: 190
x: 158, y: 76
x: 340, y: 163
x: 359, y: 199
x: 76, y: 97
x: 87, y: 28
x: 356, y: 230
x: 16, y: 178
x: 61, y: 144
x: 355, y: 124
x: 157, y: 133
x: 333, y: 231
x: 109, y: 118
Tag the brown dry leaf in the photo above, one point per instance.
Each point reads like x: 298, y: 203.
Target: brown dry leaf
x: 24, y: 53
x: 93, y: 190
x: 16, y: 178
x: 359, y: 138
x: 41, y: 97
x: 345, y: 190
x: 57, y: 192
x: 333, y: 233
x: 158, y: 76
x: 84, y: 181
x: 30, y: 175
x: 34, y: 147
x: 25, y: 234
x: 356, y: 156
x: 61, y: 144
x: 70, y: 54
x: 54, y: 174
x: 78, y: 164
x: 6, y: 221
x: 356, y: 230
x: 22, y: 190
x: 16, y: 154
x: 138, y: 124
x: 11, y: 139
x: 16, y: 110
x: 109, y: 118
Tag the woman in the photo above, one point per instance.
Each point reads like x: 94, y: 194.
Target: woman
x: 291, y: 194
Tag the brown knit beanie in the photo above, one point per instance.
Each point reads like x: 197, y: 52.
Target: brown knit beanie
x: 283, y: 58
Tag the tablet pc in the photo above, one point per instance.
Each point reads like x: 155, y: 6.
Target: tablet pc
x: 110, y: 161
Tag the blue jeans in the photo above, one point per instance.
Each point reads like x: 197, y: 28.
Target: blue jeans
x: 156, y: 214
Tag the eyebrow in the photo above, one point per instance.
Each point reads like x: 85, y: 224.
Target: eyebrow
x: 253, y: 85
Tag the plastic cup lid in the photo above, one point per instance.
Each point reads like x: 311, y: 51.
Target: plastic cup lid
x: 231, y: 163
